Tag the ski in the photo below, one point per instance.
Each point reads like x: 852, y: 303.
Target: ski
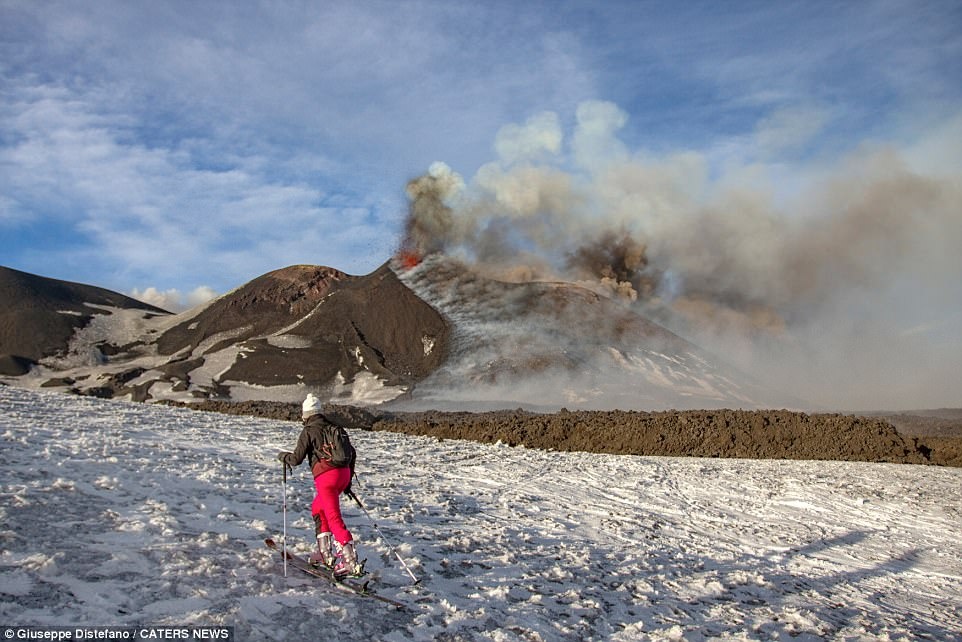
x: 344, y: 584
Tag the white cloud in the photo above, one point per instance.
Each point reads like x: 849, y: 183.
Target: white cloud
x: 538, y: 137
x: 198, y: 144
x: 11, y: 212
x: 595, y: 141
x: 938, y: 150
x: 789, y: 128
x: 199, y: 295
x: 169, y: 300
x: 152, y: 211
x: 174, y: 300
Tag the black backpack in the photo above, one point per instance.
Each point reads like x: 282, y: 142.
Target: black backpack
x: 336, y: 449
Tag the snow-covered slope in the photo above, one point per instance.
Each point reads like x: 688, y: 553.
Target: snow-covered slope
x: 121, y: 513
x: 553, y: 345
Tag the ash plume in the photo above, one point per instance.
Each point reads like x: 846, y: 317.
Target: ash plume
x: 429, y: 227
x: 813, y: 288
x: 618, y: 261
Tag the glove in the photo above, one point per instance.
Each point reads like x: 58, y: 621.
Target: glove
x: 288, y: 469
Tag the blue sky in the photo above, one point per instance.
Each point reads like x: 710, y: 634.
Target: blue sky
x: 186, y: 145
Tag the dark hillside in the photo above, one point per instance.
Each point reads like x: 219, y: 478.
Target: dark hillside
x: 38, y: 315
x: 368, y: 323
x: 265, y: 305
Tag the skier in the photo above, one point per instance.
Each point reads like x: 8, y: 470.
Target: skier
x: 331, y: 457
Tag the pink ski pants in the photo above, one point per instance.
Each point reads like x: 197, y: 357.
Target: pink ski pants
x: 327, y: 504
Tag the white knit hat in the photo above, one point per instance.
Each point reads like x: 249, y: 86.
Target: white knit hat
x: 311, y: 406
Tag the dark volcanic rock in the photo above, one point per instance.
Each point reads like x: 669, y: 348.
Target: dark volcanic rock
x: 265, y: 409
x: 38, y: 316
x: 385, y: 321
x: 347, y: 416
x: 307, y: 325
x: 767, y: 434
x: 262, y: 306
x: 743, y: 434
x: 14, y: 366
x: 943, y: 422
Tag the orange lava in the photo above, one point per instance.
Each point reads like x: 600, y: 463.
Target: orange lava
x: 409, y: 259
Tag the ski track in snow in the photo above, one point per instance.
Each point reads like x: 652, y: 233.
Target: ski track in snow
x: 116, y: 513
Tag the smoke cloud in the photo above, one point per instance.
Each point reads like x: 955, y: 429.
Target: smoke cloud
x: 820, y: 288
x: 430, y: 225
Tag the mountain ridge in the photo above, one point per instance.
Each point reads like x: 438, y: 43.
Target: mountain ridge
x: 290, y: 330
x: 430, y: 333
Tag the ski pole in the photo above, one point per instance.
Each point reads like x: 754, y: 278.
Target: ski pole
x: 357, y: 501
x: 284, y: 540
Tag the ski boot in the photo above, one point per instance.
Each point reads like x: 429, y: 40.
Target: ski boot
x: 347, y: 564
x: 324, y: 555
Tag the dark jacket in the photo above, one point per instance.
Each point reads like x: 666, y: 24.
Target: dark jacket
x: 310, y: 444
